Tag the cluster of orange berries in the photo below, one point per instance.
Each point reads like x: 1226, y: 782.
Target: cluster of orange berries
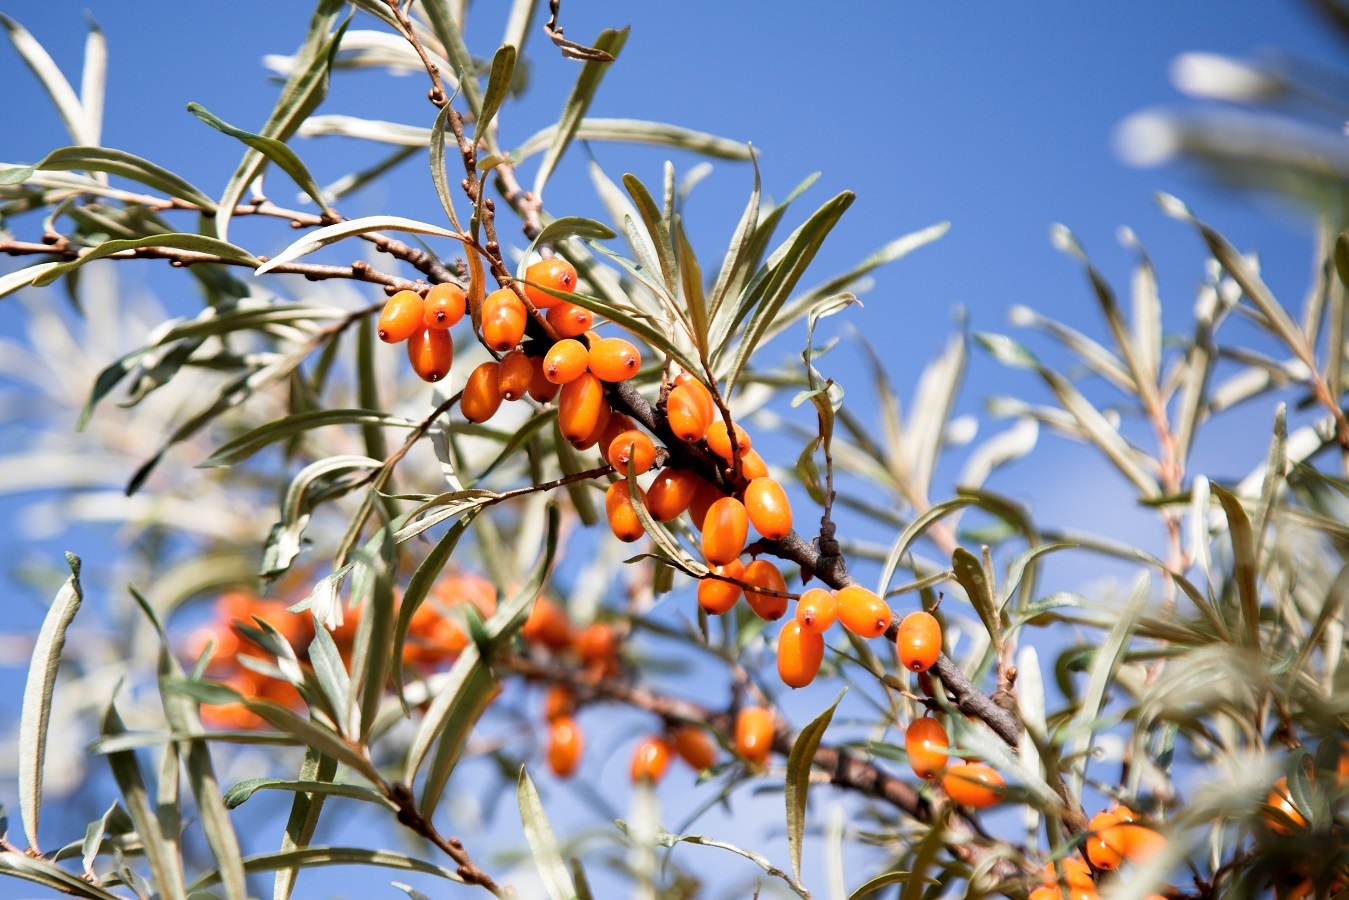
x: 976, y: 785
x: 1113, y: 836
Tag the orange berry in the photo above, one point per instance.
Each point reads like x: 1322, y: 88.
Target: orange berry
x: 603, y: 424
x: 975, y: 785
x: 754, y: 733
x: 1076, y: 873
x: 431, y: 353
x: 862, y: 612
x: 717, y: 597
x: 444, y: 306
x: 670, y: 493
x: 766, y: 503
x: 1104, y: 849
x: 578, y: 407
x: 800, y: 653
x: 1139, y: 842
x: 596, y: 643
x: 925, y: 742
x: 694, y: 746
x: 555, y: 273
x: 1281, y: 799
x: 565, y: 744
x: 540, y: 388
x: 704, y: 496
x: 1045, y: 893
x: 719, y: 442
x: 547, y: 625
x: 565, y: 361
x: 765, y: 576
x: 614, y: 425
x: 503, y: 320
x: 918, y: 641
x: 651, y: 759
x: 632, y: 449
x: 482, y: 392
x: 516, y: 373
x: 690, y: 411
x: 569, y: 320
x: 401, y: 317
x: 614, y: 359
x: 559, y: 701
x: 816, y: 610
x: 724, y: 531
x: 623, y: 519
x: 752, y: 465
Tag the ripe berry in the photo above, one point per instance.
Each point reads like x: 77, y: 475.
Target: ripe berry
x: 632, y: 450
x: 555, y: 273
x: 503, y: 320
x: 482, y: 392
x: 719, y: 442
x: 1282, y: 799
x: 559, y: 701
x: 1104, y: 848
x: 975, y: 785
x: 401, y: 317
x: 816, y: 610
x: 925, y: 742
x: 862, y: 612
x: 445, y: 305
x: 754, y: 733
x: 623, y: 519
x: 547, y: 625
x: 694, y: 746
x: 596, y: 643
x: 578, y: 407
x: 540, y: 388
x: 1138, y: 842
x: 515, y: 376
x: 431, y: 353
x: 800, y: 653
x: 766, y: 503
x: 1044, y: 893
x: 651, y: 759
x: 569, y: 320
x: 616, y: 424
x: 670, y: 493
x: 704, y: 496
x: 717, y: 597
x: 765, y: 576
x: 918, y: 641
x: 602, y: 427
x: 565, y: 361
x: 752, y: 465
x: 724, y: 531
x: 690, y: 410
x: 1075, y: 873
x: 565, y: 744
x: 614, y: 359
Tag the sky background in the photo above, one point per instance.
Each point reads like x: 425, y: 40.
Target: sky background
x: 996, y: 117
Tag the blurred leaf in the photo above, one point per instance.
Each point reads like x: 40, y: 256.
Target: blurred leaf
x: 1244, y: 562
x: 911, y: 533
x: 542, y: 842
x: 330, y: 234
x: 315, y: 857
x: 93, y: 838
x: 933, y: 401
x: 57, y: 87
x: 738, y: 257
x: 498, y: 85
x: 574, y: 110
x: 195, y: 243
x: 244, y: 446
x: 304, y: 817
x: 35, y: 717
x: 637, y: 131
x: 22, y: 278
x: 315, y: 483
x: 799, y: 763
x: 127, y: 165
x: 873, y: 885
x: 48, y: 874
x: 666, y: 839
x: 240, y: 793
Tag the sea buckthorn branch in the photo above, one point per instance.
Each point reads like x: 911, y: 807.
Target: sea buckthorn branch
x: 437, y: 92
x: 401, y: 796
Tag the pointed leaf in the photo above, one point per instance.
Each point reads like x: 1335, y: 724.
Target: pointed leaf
x: 498, y: 85
x: 799, y: 763
x: 574, y: 110
x: 542, y: 842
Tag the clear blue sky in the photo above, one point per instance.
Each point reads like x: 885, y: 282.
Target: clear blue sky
x: 995, y: 116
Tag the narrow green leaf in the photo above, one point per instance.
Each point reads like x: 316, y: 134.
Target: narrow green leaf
x: 37, y: 698
x: 569, y: 461
x: 799, y: 763
x: 658, y: 228
x: 93, y: 838
x: 498, y: 85
x: 574, y: 110
x: 872, y: 885
x: 22, y: 278
x: 330, y: 234
x: 542, y: 842
x: 969, y: 572
x: 48, y: 874
x: 58, y: 88
x: 666, y: 839
x: 127, y: 165
x: 244, y: 446
x: 636, y: 131
x: 439, y: 177
x: 316, y: 857
x: 1244, y: 562
x: 911, y: 533
x: 304, y: 817
x: 93, y: 80
x: 240, y: 793
x: 195, y: 243
x: 691, y: 283
x: 556, y: 230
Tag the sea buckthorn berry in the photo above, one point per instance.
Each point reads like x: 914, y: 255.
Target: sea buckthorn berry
x: 444, y: 306
x: 719, y: 442
x: 401, y: 317
x: 651, y: 759
x: 565, y: 744
x: 717, y: 597
x: 431, y: 353
x: 1044, y: 893
x: 1138, y: 842
x: 800, y: 653
x: 975, y: 785
x: 670, y: 493
x: 754, y: 733
x: 540, y: 388
x: 1281, y: 799
x: 503, y: 320
x: 602, y: 426
x: 554, y: 273
x: 694, y: 746
x: 565, y: 361
x: 559, y: 701
x: 704, y: 496
x: 816, y: 610
x: 515, y: 375
x: 578, y: 407
x: 632, y: 450
x: 1076, y: 873
x: 596, y: 643
x: 925, y: 742
x: 690, y: 411
x: 547, y: 625
x: 616, y: 424
x: 482, y: 392
x: 768, y: 508
x: 724, y: 531
x: 623, y: 519
x: 764, y: 576
x: 614, y: 359
x: 752, y: 465
x: 918, y: 641
x: 862, y: 612
x: 569, y: 320
x: 1104, y: 852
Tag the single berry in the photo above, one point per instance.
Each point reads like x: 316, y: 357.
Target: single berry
x: 754, y: 733
x: 651, y: 759
x: 1076, y: 873
x: 863, y: 612
x: 768, y: 508
x: 565, y: 744
x: 752, y: 465
x: 764, y: 577
x: 565, y: 361
x: 445, y: 305
x: 719, y: 442
x: 515, y: 376
x: 1139, y: 842
x: 482, y: 392
x: 616, y: 424
x: 670, y: 493
x: 918, y: 641
x: 503, y: 320
x: 540, y: 388
x: 716, y: 596
x: 623, y: 519
x: 555, y: 273
x: 596, y: 644
x: 578, y: 407
x: 816, y: 610
x: 976, y: 785
x: 558, y: 701
x: 724, y: 531
x: 632, y: 450
x: 800, y: 653
x: 706, y: 494
x: 694, y: 746
x: 603, y: 423
x: 431, y: 353
x: 1282, y: 800
x: 690, y: 411
x: 547, y: 625
x: 401, y: 317
x: 569, y: 320
x: 925, y: 742
x: 614, y: 359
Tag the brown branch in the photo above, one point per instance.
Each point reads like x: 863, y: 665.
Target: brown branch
x: 401, y: 796
x: 437, y: 92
